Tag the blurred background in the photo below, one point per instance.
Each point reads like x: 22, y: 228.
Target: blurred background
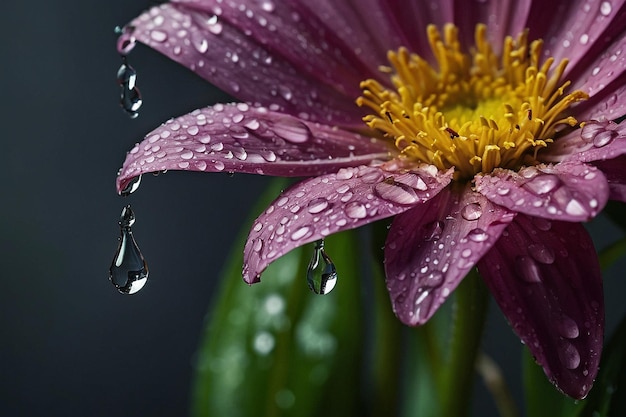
x: 70, y: 344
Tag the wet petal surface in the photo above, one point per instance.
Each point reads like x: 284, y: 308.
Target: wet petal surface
x: 615, y: 172
x: 241, y: 138
x: 571, y: 191
x: 546, y: 279
x: 250, y: 69
x: 431, y: 248
x: 315, y: 208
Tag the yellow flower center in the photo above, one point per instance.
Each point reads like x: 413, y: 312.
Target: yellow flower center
x: 475, y: 112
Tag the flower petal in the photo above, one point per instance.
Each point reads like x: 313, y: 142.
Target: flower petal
x: 615, y: 172
x: 594, y: 142
x: 320, y: 206
x: 431, y: 248
x: 546, y: 278
x: 570, y: 191
x: 241, y: 138
x: 578, y: 31
x: 244, y: 67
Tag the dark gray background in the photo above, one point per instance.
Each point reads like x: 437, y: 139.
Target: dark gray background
x: 69, y: 343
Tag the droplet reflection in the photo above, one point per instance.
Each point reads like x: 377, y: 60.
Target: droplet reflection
x: 130, y: 97
x: 129, y: 270
x: 321, y: 275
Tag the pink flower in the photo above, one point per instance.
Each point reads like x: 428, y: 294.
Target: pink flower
x: 487, y: 146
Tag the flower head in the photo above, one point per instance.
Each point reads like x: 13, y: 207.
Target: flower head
x: 488, y: 153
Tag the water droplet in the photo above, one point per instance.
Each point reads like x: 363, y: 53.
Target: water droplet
x: 605, y: 8
x: 396, y: 192
x: 317, y: 205
x: 569, y: 355
x: 472, y: 211
x: 575, y: 208
x: 434, y: 279
x: 477, y: 235
x: 158, y: 36
x: 542, y: 184
x: 130, y: 96
x: 567, y: 327
x: 321, y: 274
x: 301, y: 233
x: 528, y: 269
x: 131, y: 187
x: 268, y: 6
x: 129, y: 270
x: 355, y: 210
x: 541, y: 253
x: 292, y: 130
x: 433, y: 230
x: 604, y: 138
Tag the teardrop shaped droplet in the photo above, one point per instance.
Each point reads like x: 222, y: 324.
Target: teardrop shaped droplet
x: 131, y: 187
x: 321, y: 275
x: 130, y: 96
x: 129, y: 270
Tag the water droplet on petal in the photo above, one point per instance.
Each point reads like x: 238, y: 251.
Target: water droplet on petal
x: 321, y: 274
x: 477, y: 235
x: 396, y: 192
x: 604, y: 138
x: 606, y: 8
x: 292, y: 130
x: 129, y: 270
x: 131, y: 187
x: 433, y: 230
x: 158, y: 36
x: 317, y: 205
x: 355, y: 210
x: 541, y: 253
x: 569, y: 355
x: 528, y: 269
x: 543, y: 184
x: 472, y: 211
x: 567, y: 327
x: 433, y: 279
x: 575, y: 208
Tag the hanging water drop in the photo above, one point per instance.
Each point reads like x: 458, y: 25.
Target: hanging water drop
x: 131, y: 187
x: 126, y: 40
x: 130, y: 96
x: 129, y: 270
x: 321, y: 275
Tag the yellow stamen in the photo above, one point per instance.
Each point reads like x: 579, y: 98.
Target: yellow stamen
x: 474, y: 112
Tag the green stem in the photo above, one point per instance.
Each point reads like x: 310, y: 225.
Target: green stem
x: 470, y: 308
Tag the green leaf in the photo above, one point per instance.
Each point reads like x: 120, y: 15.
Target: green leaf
x: 277, y: 349
x: 606, y: 397
x: 542, y: 398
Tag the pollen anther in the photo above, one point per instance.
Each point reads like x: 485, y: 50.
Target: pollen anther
x: 475, y: 111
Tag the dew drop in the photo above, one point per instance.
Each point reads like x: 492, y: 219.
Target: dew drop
x: 433, y: 230
x: 292, y: 130
x: 541, y: 253
x: 321, y: 274
x: 301, y: 233
x: 158, y: 36
x: 477, y: 235
x: 129, y: 270
x: 131, y: 187
x: 434, y: 279
x: 542, y: 184
x: 575, y: 208
x: 355, y: 210
x: 396, y: 192
x: 605, y: 8
x: 528, y: 269
x: 471, y: 212
x: 567, y: 327
x: 604, y: 138
x: 569, y: 355
x: 317, y: 205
